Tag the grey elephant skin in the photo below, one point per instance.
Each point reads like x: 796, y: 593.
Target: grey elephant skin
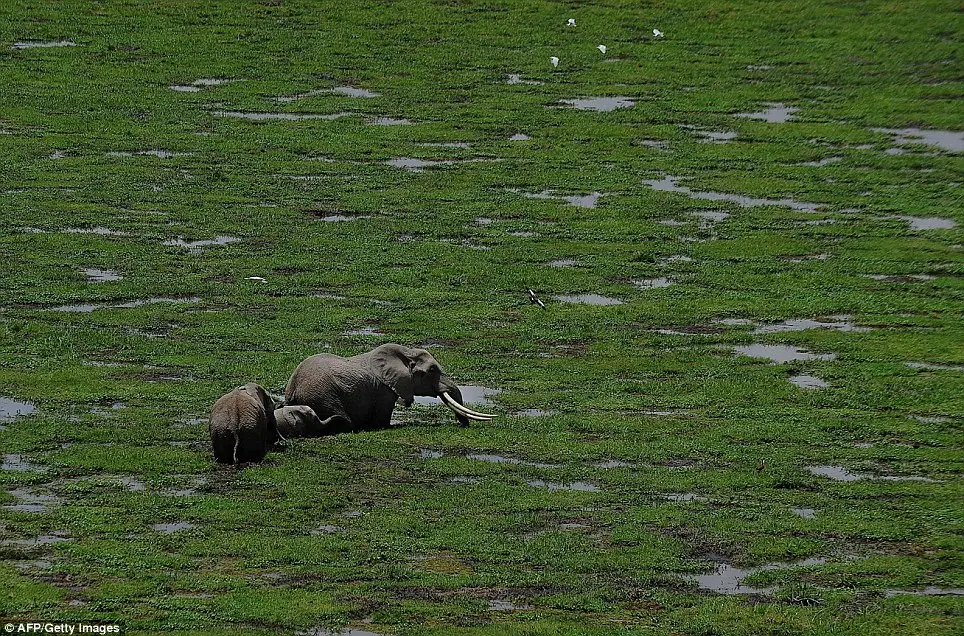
x: 359, y: 393
x: 298, y: 421
x: 242, y: 425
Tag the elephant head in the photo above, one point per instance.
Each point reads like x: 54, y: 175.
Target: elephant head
x: 409, y: 372
x: 298, y: 421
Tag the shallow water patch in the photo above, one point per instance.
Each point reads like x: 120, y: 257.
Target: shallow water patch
x: 805, y: 513
x: 728, y: 579
x: 588, y: 299
x: 780, y: 353
x: 581, y: 486
x: 36, y: 542
x: 808, y: 382
x: 363, y: 331
x: 668, y: 184
x: 515, y: 78
x: 774, y: 113
x: 563, y: 262
x: 930, y: 590
x: 11, y: 409
x: 599, y: 104
x: 586, y: 201
x: 102, y: 231
x: 683, y: 497
x: 160, y: 154
x: 390, y: 121
x: 944, y: 139
x: 653, y: 283
x: 502, y: 605
x: 927, y: 366
x: 840, y: 323
x: 87, y: 308
x: 501, y: 459
x: 196, y: 247
x: 170, y: 528
x: 927, y: 222
x: 101, y: 275
x: 32, y: 44
x: 32, y: 501
x: 520, y: 137
x: 19, y: 464
x: 610, y: 464
x: 279, y: 116
x: 416, y: 165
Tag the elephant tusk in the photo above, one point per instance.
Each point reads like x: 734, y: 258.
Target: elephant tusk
x: 462, y: 410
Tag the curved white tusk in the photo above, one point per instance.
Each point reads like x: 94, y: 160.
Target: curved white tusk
x: 462, y: 410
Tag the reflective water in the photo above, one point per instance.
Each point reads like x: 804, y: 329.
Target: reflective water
x: 898, y: 278
x: 337, y: 218
x: 103, y: 231
x: 808, y: 382
x: 658, y: 144
x: 930, y: 590
x: 160, y: 154
x: 11, y: 409
x: 781, y: 353
x: 821, y: 162
x: 600, y: 104
x: 326, y: 529
x: 364, y: 331
x: 278, y: 116
x: 355, y: 92
x: 323, y: 631
x: 563, y: 262
x: 806, y: 513
x: 500, y: 605
x: 425, y: 453
x: 934, y: 367
x: 728, y: 579
x: 711, y: 136
x: 471, y: 394
x: 836, y: 473
x: 195, y: 247
x: 42, y: 45
x: 35, y: 542
x: 609, y: 464
x: 584, y: 201
x: 517, y: 79
x: 944, y: 139
x: 520, y: 137
x: 774, y: 113
x: 169, y: 528
x: 17, y: 463
x: 389, y: 121
x: 927, y: 222
x: 652, y: 283
x: 415, y: 165
x: 465, y: 480
x: 683, y: 497
x: 101, y: 275
x: 32, y: 501
x: 589, y: 299
x: 675, y: 258
x: 87, y: 308
x: 709, y: 217
x: 500, y: 459
x: 534, y: 413
x: 840, y: 323
x: 576, y: 485
x: 668, y: 184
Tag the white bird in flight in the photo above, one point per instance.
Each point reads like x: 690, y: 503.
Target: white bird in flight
x: 554, y: 60
x: 657, y: 33
x: 602, y: 47
x: 535, y: 299
x: 572, y: 22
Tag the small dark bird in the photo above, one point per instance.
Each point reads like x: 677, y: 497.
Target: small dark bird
x: 761, y: 466
x: 535, y: 299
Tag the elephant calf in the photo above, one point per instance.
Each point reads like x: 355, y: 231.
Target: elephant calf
x: 298, y: 421
x: 359, y: 393
x: 243, y: 425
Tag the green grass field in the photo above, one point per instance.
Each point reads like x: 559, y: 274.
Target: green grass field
x: 637, y: 451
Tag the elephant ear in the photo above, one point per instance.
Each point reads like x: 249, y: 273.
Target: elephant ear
x: 392, y: 366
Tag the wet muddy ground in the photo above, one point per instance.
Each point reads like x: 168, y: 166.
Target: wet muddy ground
x: 736, y: 411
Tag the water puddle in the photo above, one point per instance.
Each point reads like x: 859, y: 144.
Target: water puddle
x: 563, y: 262
x: 759, y: 67
x: 104, y: 410
x: 500, y: 459
x: 657, y: 144
x: 501, y: 605
x: 32, y: 501
x: 668, y: 184
x: 781, y: 353
x: 444, y: 144
x: 523, y: 234
x: 821, y: 162
x: 585, y: 201
x: 347, y: 91
x: 927, y: 222
x: 599, y: 104
x: 927, y: 366
x: 11, y: 409
x: 160, y: 154
x: 581, y: 486
x: 534, y: 413
x: 425, y: 453
x: 609, y: 464
x: 708, y: 217
x: 170, y: 528
x: 87, y: 308
x: 41, y: 45
x: 900, y: 278
x: 33, y: 565
x: 808, y: 257
x: 728, y: 579
x: 806, y: 513
x: 279, y: 116
x: 364, y: 331
x: 338, y: 218
x: 683, y: 497
x: 465, y: 480
x: 675, y: 258
x: 515, y: 78
x: 774, y: 113
x: 132, y: 484
x: 589, y: 299
x: 520, y: 137
x: 841, y: 323
x: 102, y: 231
x: 808, y: 382
x: 943, y: 139
x: 101, y: 275
x: 326, y: 529
x: 471, y: 394
x: 324, y: 631
x: 389, y: 121
x: 930, y: 590
x: 36, y: 542
x: 652, y: 283
x: 19, y: 464
x: 416, y: 165
x: 198, y: 84
x: 712, y: 136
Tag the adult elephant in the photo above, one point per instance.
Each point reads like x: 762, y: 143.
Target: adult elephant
x: 242, y: 425
x: 359, y: 393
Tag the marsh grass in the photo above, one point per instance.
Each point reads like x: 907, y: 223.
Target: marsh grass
x: 107, y: 167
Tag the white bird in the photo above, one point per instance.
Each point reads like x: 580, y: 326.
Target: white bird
x: 554, y: 60
x: 657, y: 33
x: 257, y: 278
x: 602, y: 47
x: 535, y: 299
x: 572, y: 22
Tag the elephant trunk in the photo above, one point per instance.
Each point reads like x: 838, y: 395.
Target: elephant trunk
x: 452, y: 397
